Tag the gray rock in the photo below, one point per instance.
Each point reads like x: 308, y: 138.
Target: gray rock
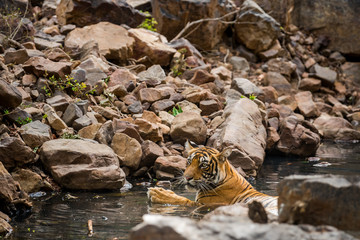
x: 81, y: 122
x: 39, y: 66
x: 58, y: 102
x: 245, y: 87
x: 105, y: 133
x: 79, y: 164
x: 162, y: 105
x: 153, y: 73
x: 17, y: 57
x: 43, y: 44
x: 10, y: 97
x: 35, y: 133
x: 320, y: 200
x: 71, y: 113
x: 83, y: 105
x: 239, y: 64
x: 327, y: 75
x: 277, y: 81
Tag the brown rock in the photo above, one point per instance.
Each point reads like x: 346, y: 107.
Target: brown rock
x: 277, y: 81
x: 89, y: 132
x: 10, y: 97
x: 288, y: 101
x: 209, y: 106
x: 149, y: 95
x: 16, y: 57
x: 201, y: 77
x: 188, y: 126
x: 270, y: 95
x: 306, y: 105
x: 174, y: 165
x: 35, y: 133
x: 128, y: 149
x: 149, y: 131
x: 195, y: 95
x: 310, y: 84
x: 123, y: 77
x: 30, y: 181
x: 162, y: 105
x: 282, y: 66
x: 39, y: 66
x: 151, y: 151
x: 57, y: 54
x: 272, y: 138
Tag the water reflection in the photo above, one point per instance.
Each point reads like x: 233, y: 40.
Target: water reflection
x: 114, y: 214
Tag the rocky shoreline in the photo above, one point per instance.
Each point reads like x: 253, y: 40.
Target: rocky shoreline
x: 88, y: 99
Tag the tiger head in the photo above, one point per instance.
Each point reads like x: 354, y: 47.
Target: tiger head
x: 205, y: 167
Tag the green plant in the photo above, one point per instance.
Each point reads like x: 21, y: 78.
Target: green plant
x: 70, y: 136
x: 44, y: 116
x: 252, y: 97
x: 149, y: 23
x: 6, y: 111
x: 23, y: 121
x: 175, y: 111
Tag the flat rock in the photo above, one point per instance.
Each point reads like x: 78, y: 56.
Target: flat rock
x: 79, y: 164
x: 39, y: 66
x: 35, y: 133
x: 277, y: 81
x: 327, y: 75
x: 246, y: 87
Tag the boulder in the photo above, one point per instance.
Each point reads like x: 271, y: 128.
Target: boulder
x: 172, y: 165
x: 117, y: 12
x: 173, y: 15
x: 188, y: 125
x: 352, y: 71
x: 128, y: 149
x: 10, y: 97
x: 255, y: 29
x: 297, y: 137
x: 113, y: 40
x: 30, y: 181
x: 149, y: 44
x: 40, y: 66
x: 80, y: 164
x: 14, y: 152
x: 320, y: 200
x: 227, y: 228
x: 35, y: 133
x: 243, y: 130
x: 336, y: 128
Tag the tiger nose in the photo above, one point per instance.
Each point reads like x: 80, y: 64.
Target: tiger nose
x: 188, y: 178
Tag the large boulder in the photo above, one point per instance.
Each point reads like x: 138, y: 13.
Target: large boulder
x: 227, y: 228
x: 10, y: 97
x: 254, y: 28
x: 173, y: 15
x: 80, y: 164
x: 85, y: 12
x: 336, y: 128
x: 320, y: 200
x: 244, y: 131
x: 113, y: 40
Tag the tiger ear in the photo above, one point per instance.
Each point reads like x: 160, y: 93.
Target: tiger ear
x: 225, y: 154
x: 190, y: 145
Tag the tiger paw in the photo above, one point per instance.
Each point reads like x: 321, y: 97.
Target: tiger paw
x: 161, y: 195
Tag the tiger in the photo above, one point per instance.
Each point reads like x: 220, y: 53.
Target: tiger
x: 216, y: 180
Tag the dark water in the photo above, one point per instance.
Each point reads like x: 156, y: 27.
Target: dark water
x: 65, y: 216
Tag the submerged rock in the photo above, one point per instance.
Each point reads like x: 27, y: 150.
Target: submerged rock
x: 80, y: 164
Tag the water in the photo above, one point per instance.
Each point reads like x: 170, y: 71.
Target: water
x: 65, y: 216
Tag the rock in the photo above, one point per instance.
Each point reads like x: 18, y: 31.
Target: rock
x: 272, y: 138
x: 5, y: 227
x: 58, y: 102
x: 118, y: 90
x: 79, y: 164
x: 255, y: 29
x: 43, y: 44
x: 277, y: 81
x: 82, y: 122
x: 30, y: 181
x: 149, y: 95
x: 166, y: 118
x: 173, y: 15
x: 298, y: 137
x: 173, y: 165
x: 154, y: 73
x: 195, y: 95
x: 10, y: 97
x: 149, y: 130
x: 282, y: 66
x: 106, y: 112
x: 128, y: 149
x: 188, y: 126
x: 113, y: 40
x: 227, y: 228
x: 13, y: 200
x: 245, y: 87
x: 209, y: 106
x: 14, y: 152
x: 244, y: 132
x: 289, y: 101
x: 123, y: 77
x: 35, y: 133
x: 222, y: 72
x: 352, y: 71
x: 150, y: 152
x: 39, y: 66
x: 90, y: 132
x: 201, y: 77
x: 148, y: 44
x: 336, y: 128
x: 105, y: 133
x: 54, y: 120
x: 16, y: 57
x: 162, y: 105
x: 310, y: 84
x: 49, y: 8
x: 331, y: 200
x: 57, y: 54
x: 327, y: 75
x: 239, y: 64
x: 117, y: 12
x: 270, y: 95
x: 306, y: 104
x: 71, y: 113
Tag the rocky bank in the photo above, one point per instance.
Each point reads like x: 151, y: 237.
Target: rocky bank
x: 87, y: 98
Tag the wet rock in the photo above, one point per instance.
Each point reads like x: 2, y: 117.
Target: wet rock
x: 16, y: 57
x: 244, y: 132
x: 113, y: 40
x: 148, y: 44
x: 90, y: 132
x: 277, y: 81
x: 320, y: 200
x: 336, y: 128
x: 245, y: 87
x: 10, y: 97
x: 30, y: 181
x: 327, y: 75
x: 255, y: 29
x: 14, y: 152
x: 306, y: 104
x: 172, y: 16
x: 172, y: 165
x: 35, y: 133
x: 188, y: 126
x: 117, y: 12
x: 79, y: 164
x: 54, y: 120
x: 298, y: 137
x: 227, y: 228
x: 128, y: 149
x: 39, y: 66
x: 150, y: 152
x: 13, y: 200
x: 310, y: 84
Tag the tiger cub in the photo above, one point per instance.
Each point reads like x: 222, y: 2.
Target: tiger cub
x: 216, y: 180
